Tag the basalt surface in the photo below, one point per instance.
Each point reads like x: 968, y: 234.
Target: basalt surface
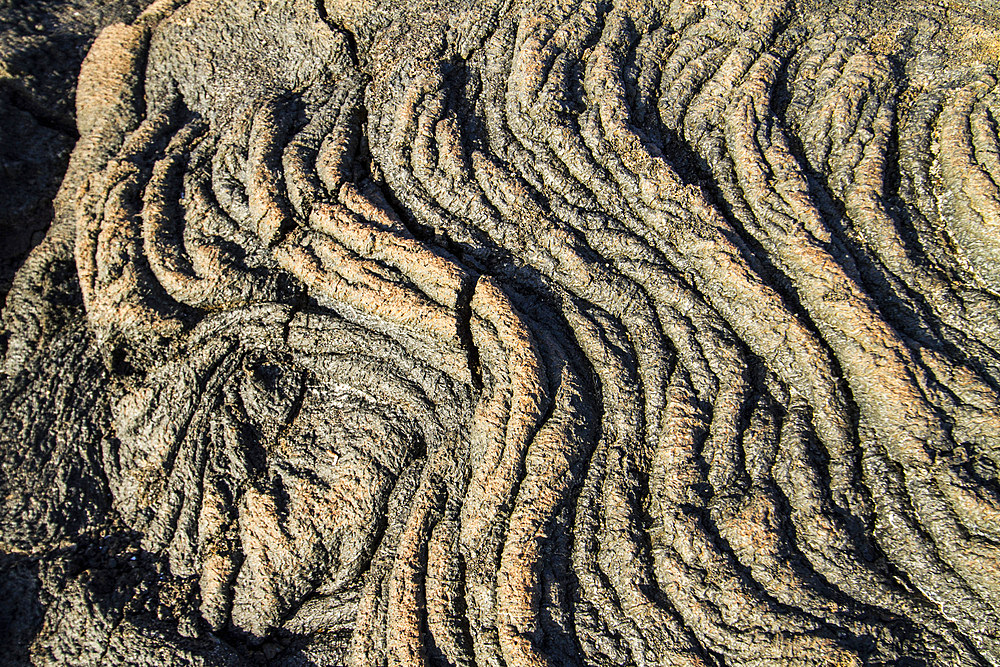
x: 41, y: 45
x: 528, y: 333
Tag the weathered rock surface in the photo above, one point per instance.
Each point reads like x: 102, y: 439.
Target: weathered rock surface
x: 41, y: 45
x: 524, y: 333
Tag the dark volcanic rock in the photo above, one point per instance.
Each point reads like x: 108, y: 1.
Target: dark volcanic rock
x: 41, y: 45
x: 524, y: 333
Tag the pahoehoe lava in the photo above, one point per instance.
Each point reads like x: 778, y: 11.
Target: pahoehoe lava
x: 514, y: 332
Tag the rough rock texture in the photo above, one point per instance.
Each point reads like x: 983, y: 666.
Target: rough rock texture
x: 41, y: 45
x: 514, y: 333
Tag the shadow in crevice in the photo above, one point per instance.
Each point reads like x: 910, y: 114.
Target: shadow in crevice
x: 21, y: 610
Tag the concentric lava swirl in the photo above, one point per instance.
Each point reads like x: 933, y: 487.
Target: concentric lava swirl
x: 543, y: 333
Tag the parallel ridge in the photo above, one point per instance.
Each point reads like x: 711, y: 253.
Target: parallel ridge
x: 613, y: 333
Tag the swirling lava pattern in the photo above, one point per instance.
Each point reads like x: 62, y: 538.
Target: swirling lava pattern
x: 555, y: 332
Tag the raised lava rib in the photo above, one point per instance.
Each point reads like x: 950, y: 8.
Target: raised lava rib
x: 535, y: 333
